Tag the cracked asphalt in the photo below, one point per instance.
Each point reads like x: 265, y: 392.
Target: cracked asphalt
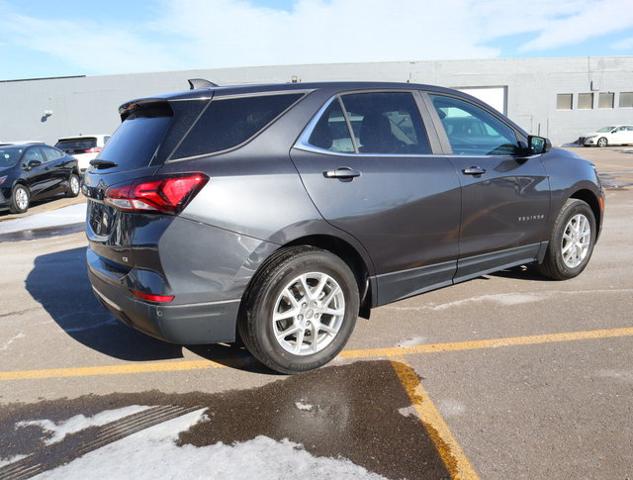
x: 520, y: 377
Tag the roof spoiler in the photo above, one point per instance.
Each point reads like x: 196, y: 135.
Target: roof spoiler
x: 196, y: 83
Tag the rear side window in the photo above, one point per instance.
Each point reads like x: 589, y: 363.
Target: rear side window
x: 472, y: 130
x: 331, y: 132
x: 386, y: 123
x: 136, y: 140
x: 228, y: 123
x: 52, y: 153
x: 73, y: 146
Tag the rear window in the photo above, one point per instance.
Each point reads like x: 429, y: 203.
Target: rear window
x: 228, y: 123
x: 76, y: 145
x: 136, y: 140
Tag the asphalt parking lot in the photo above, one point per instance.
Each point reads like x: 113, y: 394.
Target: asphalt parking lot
x: 506, y: 376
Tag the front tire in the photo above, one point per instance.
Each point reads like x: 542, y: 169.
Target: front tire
x: 602, y: 142
x: 300, y: 310
x: 20, y: 199
x: 74, y: 186
x: 571, y: 241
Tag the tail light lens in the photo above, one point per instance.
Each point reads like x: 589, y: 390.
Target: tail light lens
x: 152, y: 297
x: 162, y: 195
x: 93, y: 150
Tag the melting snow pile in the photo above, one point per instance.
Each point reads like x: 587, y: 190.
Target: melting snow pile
x: 153, y: 453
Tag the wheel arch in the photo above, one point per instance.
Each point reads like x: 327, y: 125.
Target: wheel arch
x: 593, y: 201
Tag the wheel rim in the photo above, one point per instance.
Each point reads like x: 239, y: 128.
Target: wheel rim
x: 576, y: 240
x: 21, y: 199
x: 308, y: 313
x: 74, y: 185
x: 602, y: 142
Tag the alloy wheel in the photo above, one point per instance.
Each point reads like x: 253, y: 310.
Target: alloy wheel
x: 308, y: 313
x: 21, y: 198
x: 576, y: 240
x: 74, y: 185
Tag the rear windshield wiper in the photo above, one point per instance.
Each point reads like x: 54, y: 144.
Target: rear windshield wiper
x: 99, y: 164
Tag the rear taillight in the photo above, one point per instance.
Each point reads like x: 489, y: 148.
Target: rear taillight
x: 93, y: 150
x: 152, y: 297
x: 162, y: 195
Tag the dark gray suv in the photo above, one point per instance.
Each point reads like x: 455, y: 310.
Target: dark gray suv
x: 279, y: 213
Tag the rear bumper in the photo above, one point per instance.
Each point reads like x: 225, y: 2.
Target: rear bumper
x: 191, y: 324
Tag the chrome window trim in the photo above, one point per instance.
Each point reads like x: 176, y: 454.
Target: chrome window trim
x: 303, y: 143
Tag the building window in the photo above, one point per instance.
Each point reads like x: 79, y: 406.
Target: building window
x: 564, y: 101
x: 626, y: 99
x: 585, y: 101
x: 605, y: 100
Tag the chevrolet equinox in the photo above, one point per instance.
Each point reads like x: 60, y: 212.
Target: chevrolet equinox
x: 277, y: 214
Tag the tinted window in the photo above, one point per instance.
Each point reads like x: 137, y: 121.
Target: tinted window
x: 331, y: 132
x: 135, y: 141
x: 33, y: 154
x: 52, y: 153
x: 9, y: 156
x: 564, y: 101
x: 605, y: 100
x: 227, y: 123
x: 472, y: 130
x: 387, y: 123
x: 626, y: 99
x: 73, y: 146
x: 585, y: 101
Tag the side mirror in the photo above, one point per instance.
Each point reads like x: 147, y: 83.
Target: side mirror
x: 538, y: 145
x: 34, y: 163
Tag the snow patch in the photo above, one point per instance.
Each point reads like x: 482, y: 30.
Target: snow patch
x: 408, y: 412
x: 153, y: 453
x: 413, y: 341
x: 505, y: 299
x: 451, y: 408
x: 80, y: 422
x: 306, y: 407
x: 10, y: 460
x: 5, y: 346
x: 63, y: 216
x: 624, y: 375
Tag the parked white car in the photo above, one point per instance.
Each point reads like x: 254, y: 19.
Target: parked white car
x: 614, y: 135
x: 83, y: 147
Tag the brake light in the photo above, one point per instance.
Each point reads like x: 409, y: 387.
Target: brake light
x: 93, y: 150
x: 151, y: 297
x: 163, y: 195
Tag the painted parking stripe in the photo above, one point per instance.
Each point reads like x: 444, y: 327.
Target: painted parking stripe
x: 389, y: 352
x: 449, y: 450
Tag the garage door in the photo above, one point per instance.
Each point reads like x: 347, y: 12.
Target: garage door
x: 493, y: 96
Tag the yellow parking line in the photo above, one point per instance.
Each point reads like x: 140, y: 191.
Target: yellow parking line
x: 126, y: 368
x: 490, y: 343
x: 448, y: 448
x: 390, y: 352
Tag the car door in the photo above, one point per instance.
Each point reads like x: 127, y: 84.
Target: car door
x: 505, y: 194
x: 367, y: 163
x: 59, y: 165
x: 37, y: 175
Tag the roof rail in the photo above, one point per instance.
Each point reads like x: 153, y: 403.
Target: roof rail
x: 195, y: 83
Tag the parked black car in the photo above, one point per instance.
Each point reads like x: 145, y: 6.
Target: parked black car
x: 280, y: 213
x: 35, y: 171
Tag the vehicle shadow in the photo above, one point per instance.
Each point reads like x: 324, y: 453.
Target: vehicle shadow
x: 523, y: 272
x: 59, y: 282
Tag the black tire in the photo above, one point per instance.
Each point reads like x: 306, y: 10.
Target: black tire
x: 554, y: 266
x: 70, y: 192
x: 15, y: 206
x: 602, y: 142
x: 255, y: 323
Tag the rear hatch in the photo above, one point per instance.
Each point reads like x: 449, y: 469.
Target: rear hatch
x: 78, y: 145
x: 149, y: 131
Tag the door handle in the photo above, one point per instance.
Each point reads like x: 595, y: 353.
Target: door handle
x: 474, y: 170
x: 343, y: 173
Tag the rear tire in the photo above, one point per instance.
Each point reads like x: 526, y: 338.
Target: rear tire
x: 74, y: 186
x: 314, y: 325
x: 571, y: 241
x: 20, y: 199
